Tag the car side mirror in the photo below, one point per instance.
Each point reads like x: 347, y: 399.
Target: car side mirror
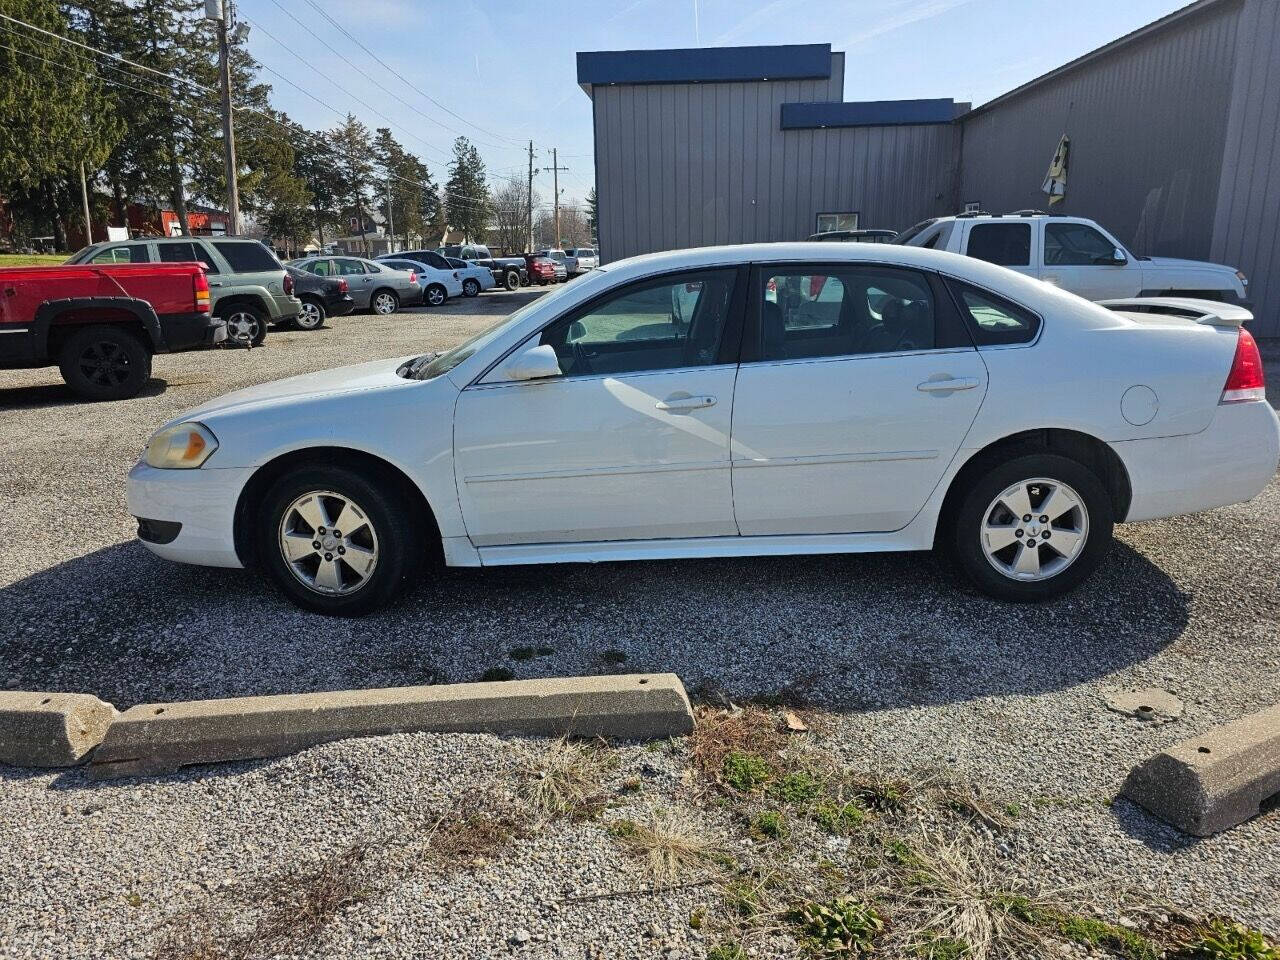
x: 532, y: 363
x: 1116, y: 259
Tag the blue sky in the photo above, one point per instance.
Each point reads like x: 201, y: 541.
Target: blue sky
x: 507, y: 69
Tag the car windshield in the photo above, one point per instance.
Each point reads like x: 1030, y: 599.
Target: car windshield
x: 431, y: 365
x: 910, y: 232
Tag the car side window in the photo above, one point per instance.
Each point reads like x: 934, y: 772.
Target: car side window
x: 321, y: 268
x: 1076, y: 245
x: 844, y: 311
x: 136, y: 253
x: 1007, y: 244
x: 663, y: 324
x: 993, y: 320
x: 437, y: 261
x: 350, y: 268
x: 179, y: 251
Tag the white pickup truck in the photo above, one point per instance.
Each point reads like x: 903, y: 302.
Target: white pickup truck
x: 1077, y: 255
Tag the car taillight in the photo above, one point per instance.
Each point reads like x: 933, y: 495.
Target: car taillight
x: 288, y: 284
x: 200, y: 283
x: 342, y: 285
x: 1245, y: 381
x: 413, y: 276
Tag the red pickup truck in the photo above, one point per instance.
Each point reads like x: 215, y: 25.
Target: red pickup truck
x: 102, y: 323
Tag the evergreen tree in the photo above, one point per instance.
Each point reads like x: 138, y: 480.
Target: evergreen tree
x: 467, y: 192
x: 592, y: 223
x: 352, y: 148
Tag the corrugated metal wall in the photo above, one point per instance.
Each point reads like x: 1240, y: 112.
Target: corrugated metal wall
x: 688, y: 165
x: 1247, y: 226
x: 1147, y: 126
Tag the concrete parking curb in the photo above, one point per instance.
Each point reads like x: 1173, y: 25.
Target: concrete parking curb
x: 1215, y: 781
x: 50, y: 729
x: 162, y: 737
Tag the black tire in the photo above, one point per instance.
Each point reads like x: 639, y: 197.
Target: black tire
x: 313, y: 314
x: 435, y: 296
x: 471, y: 287
x: 384, y: 296
x: 511, y: 280
x: 104, y: 362
x: 398, y: 529
x: 246, y: 324
x: 965, y: 540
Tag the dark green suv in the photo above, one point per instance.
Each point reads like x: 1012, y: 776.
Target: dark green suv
x: 248, y: 286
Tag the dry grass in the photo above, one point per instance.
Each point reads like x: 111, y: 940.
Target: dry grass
x: 674, y: 845
x: 719, y: 733
x: 566, y: 779
x: 293, y: 911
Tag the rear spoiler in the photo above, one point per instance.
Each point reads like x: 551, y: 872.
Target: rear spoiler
x: 1212, y: 312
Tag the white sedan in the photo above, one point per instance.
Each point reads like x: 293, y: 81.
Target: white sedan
x: 729, y: 401
x: 437, y: 284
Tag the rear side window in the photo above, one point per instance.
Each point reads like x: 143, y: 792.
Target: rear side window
x: 993, y: 320
x: 845, y: 311
x: 1008, y: 244
x: 247, y: 257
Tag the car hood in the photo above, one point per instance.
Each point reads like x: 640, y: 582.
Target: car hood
x: 361, y: 376
x: 1175, y: 263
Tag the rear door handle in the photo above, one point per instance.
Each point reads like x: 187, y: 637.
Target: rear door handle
x: 684, y: 404
x: 953, y: 383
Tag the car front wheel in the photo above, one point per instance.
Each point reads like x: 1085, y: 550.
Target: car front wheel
x: 337, y: 542
x: 1032, y: 528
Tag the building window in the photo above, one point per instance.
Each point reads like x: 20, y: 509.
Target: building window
x: 837, y: 221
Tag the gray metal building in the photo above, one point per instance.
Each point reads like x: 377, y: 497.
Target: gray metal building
x: 1174, y: 130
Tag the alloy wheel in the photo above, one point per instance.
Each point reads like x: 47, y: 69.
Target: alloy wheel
x: 310, y: 317
x: 243, y: 326
x: 328, y: 543
x: 1034, y: 529
x: 105, y: 363
x: 384, y: 303
x: 435, y: 296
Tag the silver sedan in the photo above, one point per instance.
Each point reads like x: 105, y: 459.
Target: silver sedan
x: 373, y: 286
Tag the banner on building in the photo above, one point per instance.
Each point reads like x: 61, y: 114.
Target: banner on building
x: 1055, y: 181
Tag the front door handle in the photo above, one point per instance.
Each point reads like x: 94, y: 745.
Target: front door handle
x: 951, y: 383
x: 215, y: 283
x: 685, y: 404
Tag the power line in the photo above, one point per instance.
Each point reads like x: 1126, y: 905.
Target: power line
x: 341, y: 29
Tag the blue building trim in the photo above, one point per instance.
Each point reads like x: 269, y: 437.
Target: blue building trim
x: 706, y: 65
x: 867, y: 113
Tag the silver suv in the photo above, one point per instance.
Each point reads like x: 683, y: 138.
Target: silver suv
x: 248, y: 286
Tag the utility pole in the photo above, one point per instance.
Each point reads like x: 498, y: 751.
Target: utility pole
x: 84, y: 198
x: 528, y: 234
x: 391, y: 220
x: 218, y: 10
x: 555, y: 169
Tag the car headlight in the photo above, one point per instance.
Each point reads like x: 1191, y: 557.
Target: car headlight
x: 184, y: 446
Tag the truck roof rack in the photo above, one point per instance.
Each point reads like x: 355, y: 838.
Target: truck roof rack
x: 1027, y: 213
x: 972, y: 213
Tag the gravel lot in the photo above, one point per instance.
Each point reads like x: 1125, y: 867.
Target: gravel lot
x: 907, y: 670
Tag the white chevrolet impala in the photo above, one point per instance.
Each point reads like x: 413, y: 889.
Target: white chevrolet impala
x: 731, y: 401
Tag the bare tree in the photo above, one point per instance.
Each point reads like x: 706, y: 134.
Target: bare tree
x: 510, y: 211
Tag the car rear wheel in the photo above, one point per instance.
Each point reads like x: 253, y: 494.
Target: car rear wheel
x: 1032, y: 528
x: 511, y: 280
x: 337, y: 542
x: 246, y: 325
x: 471, y: 287
x: 435, y: 295
x: 384, y: 302
x: 312, y: 315
x: 105, y: 363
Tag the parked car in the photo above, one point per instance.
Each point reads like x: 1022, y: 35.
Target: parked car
x: 101, y: 324
x: 250, y: 287
x: 374, y: 286
x: 542, y: 270
x: 508, y: 272
x: 1076, y: 254
x: 321, y: 297
x: 580, y: 260
x: 438, y: 280
x: 475, y: 278
x: 883, y: 398
x: 854, y: 236
x: 558, y: 258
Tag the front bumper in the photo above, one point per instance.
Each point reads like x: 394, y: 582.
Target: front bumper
x: 202, y: 502
x: 1230, y: 461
